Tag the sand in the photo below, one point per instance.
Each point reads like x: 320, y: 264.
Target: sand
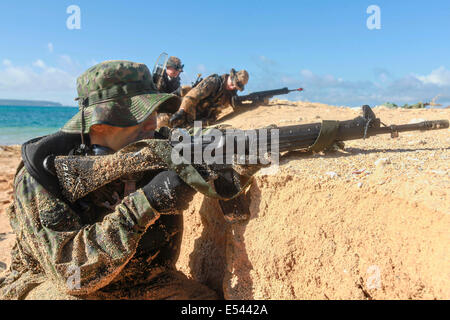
x: 9, y: 160
x: 370, y: 222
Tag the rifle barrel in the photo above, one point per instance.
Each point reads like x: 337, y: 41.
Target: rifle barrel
x: 355, y: 129
x: 422, y: 126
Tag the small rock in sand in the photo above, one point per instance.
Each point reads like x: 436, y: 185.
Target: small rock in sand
x: 332, y: 174
x: 381, y: 162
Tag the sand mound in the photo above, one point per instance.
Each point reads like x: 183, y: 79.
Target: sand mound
x: 368, y: 223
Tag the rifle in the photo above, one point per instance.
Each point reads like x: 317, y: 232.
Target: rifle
x: 260, y: 97
x: 80, y: 175
x: 159, y: 68
x: 197, y: 81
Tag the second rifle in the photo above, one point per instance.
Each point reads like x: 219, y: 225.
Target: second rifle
x: 260, y: 97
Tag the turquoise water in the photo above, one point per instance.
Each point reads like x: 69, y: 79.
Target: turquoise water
x: 19, y: 124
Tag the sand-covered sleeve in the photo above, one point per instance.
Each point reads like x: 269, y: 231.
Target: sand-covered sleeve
x: 203, y: 90
x: 80, y: 258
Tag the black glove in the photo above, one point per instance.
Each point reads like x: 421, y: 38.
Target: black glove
x: 166, y: 192
x: 178, y: 118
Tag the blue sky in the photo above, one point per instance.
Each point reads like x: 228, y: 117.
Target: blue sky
x: 323, y: 46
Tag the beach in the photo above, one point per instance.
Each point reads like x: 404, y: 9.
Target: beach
x: 369, y: 222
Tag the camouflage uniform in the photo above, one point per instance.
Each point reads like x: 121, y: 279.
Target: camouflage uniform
x: 170, y: 85
x: 209, y: 97
x: 109, y: 244
x: 167, y: 84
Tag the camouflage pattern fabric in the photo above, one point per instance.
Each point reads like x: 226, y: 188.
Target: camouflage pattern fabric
x: 167, y: 285
x: 207, y: 99
x: 110, y: 239
x: 172, y: 85
x: 104, y: 243
x: 185, y: 89
x: 175, y: 63
x: 79, y: 176
x: 117, y: 93
x: 163, y: 120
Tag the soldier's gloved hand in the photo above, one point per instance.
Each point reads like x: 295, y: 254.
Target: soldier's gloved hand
x: 166, y: 192
x: 178, y: 118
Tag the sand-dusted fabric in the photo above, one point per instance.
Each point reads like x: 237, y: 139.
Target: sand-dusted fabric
x: 239, y: 78
x: 105, y: 241
x: 165, y: 285
x: 175, y: 63
x: 205, y: 101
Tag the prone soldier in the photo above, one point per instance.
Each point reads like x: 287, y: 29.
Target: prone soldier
x: 206, y: 100
x: 120, y: 241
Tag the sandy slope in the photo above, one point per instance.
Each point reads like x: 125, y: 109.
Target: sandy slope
x: 369, y: 222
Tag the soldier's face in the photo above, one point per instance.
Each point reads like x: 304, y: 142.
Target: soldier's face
x: 230, y: 85
x: 116, y: 138
x: 172, y: 72
x: 144, y: 130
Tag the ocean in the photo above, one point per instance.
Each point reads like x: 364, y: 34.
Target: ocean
x: 19, y: 124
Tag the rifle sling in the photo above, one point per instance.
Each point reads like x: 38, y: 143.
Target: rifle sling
x: 327, y: 135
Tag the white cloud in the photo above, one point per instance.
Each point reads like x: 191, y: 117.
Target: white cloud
x: 7, y: 63
x: 266, y: 60
x: 37, y: 81
x: 39, y: 63
x: 336, y: 90
x: 307, y: 73
x: 439, y: 76
x: 407, y: 89
x: 65, y: 59
x: 201, y: 68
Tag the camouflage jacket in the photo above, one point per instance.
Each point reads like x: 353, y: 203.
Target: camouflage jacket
x: 205, y: 101
x: 103, y: 242
x: 167, y: 85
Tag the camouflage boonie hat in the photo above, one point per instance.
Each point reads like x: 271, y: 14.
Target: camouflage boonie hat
x: 239, y: 78
x: 117, y: 93
x: 175, y: 63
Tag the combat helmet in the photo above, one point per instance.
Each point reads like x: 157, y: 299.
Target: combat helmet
x: 239, y: 78
x: 175, y: 63
x: 117, y: 93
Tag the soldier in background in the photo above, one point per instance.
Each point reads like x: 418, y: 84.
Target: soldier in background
x: 205, y: 101
x: 170, y: 80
